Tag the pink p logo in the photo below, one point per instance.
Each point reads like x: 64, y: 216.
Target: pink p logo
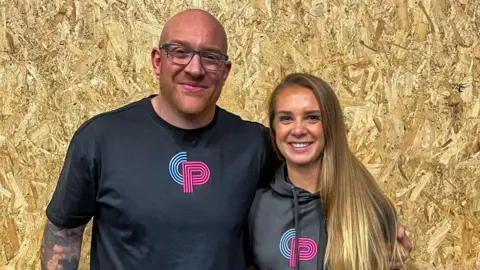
x: 307, y: 248
x: 194, y: 173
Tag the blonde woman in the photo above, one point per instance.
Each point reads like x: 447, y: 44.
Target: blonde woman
x: 323, y: 209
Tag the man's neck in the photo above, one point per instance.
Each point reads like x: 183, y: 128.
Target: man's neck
x: 305, y: 177
x: 177, y: 119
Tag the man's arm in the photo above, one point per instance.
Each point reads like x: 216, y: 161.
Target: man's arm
x: 61, y: 247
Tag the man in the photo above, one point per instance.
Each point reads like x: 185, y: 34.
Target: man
x: 169, y: 179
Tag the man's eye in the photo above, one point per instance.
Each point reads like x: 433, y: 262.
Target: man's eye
x: 211, y: 56
x: 179, y: 51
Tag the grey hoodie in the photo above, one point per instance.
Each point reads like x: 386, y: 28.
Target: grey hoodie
x: 280, y: 216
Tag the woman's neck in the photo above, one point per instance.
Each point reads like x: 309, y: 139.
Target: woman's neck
x: 305, y: 176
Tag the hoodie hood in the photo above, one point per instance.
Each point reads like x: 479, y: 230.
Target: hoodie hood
x: 282, y: 185
x: 287, y: 226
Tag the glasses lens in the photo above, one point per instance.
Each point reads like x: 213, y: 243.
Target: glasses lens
x: 179, y: 54
x: 212, y: 61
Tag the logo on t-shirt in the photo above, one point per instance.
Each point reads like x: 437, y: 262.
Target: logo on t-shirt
x: 188, y: 173
x: 307, y: 248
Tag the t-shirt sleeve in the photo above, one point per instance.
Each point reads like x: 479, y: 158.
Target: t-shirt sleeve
x: 73, y: 201
x: 271, y: 161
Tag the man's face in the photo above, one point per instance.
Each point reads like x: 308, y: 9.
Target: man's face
x: 191, y: 89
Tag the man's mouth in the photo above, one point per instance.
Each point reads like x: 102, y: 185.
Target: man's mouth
x: 193, y: 87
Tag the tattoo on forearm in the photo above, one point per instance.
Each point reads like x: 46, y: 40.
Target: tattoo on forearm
x: 61, y: 248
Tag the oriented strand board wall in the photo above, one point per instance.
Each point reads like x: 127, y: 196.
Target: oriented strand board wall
x: 407, y: 73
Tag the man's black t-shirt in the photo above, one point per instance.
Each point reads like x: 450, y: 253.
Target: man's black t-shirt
x: 162, y: 197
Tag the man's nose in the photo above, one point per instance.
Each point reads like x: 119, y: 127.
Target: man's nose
x: 195, y: 68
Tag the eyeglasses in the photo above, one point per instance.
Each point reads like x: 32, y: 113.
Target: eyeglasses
x: 182, y: 55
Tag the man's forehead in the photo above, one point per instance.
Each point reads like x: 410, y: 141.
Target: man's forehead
x: 200, y: 40
x: 195, y: 30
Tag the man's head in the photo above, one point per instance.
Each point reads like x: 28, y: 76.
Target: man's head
x: 192, y: 85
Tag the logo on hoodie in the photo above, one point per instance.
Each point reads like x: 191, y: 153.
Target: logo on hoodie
x: 188, y: 173
x: 307, y: 248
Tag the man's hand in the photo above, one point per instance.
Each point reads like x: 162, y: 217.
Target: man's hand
x: 403, y: 239
x: 407, y: 246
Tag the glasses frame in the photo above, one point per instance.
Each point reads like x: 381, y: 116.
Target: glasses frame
x: 166, y: 46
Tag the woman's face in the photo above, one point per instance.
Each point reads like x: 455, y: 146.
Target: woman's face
x: 298, y: 126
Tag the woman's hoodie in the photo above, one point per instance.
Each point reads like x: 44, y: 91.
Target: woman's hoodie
x: 281, y: 216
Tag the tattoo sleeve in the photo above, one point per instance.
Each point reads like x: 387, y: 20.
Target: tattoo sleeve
x: 61, y: 248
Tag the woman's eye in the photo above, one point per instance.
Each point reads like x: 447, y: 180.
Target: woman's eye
x: 285, y: 118
x: 314, y: 118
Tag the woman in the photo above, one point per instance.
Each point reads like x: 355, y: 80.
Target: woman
x: 321, y: 187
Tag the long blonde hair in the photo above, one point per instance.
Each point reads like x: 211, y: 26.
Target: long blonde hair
x: 361, y: 221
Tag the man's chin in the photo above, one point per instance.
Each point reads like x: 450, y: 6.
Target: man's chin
x: 194, y: 105
x: 192, y: 109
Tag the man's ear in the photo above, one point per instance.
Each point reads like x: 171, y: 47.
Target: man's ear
x: 156, y: 60
x: 226, y: 71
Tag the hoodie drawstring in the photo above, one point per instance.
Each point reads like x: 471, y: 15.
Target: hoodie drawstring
x: 297, y: 227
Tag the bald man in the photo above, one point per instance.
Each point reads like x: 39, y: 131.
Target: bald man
x: 168, y: 179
